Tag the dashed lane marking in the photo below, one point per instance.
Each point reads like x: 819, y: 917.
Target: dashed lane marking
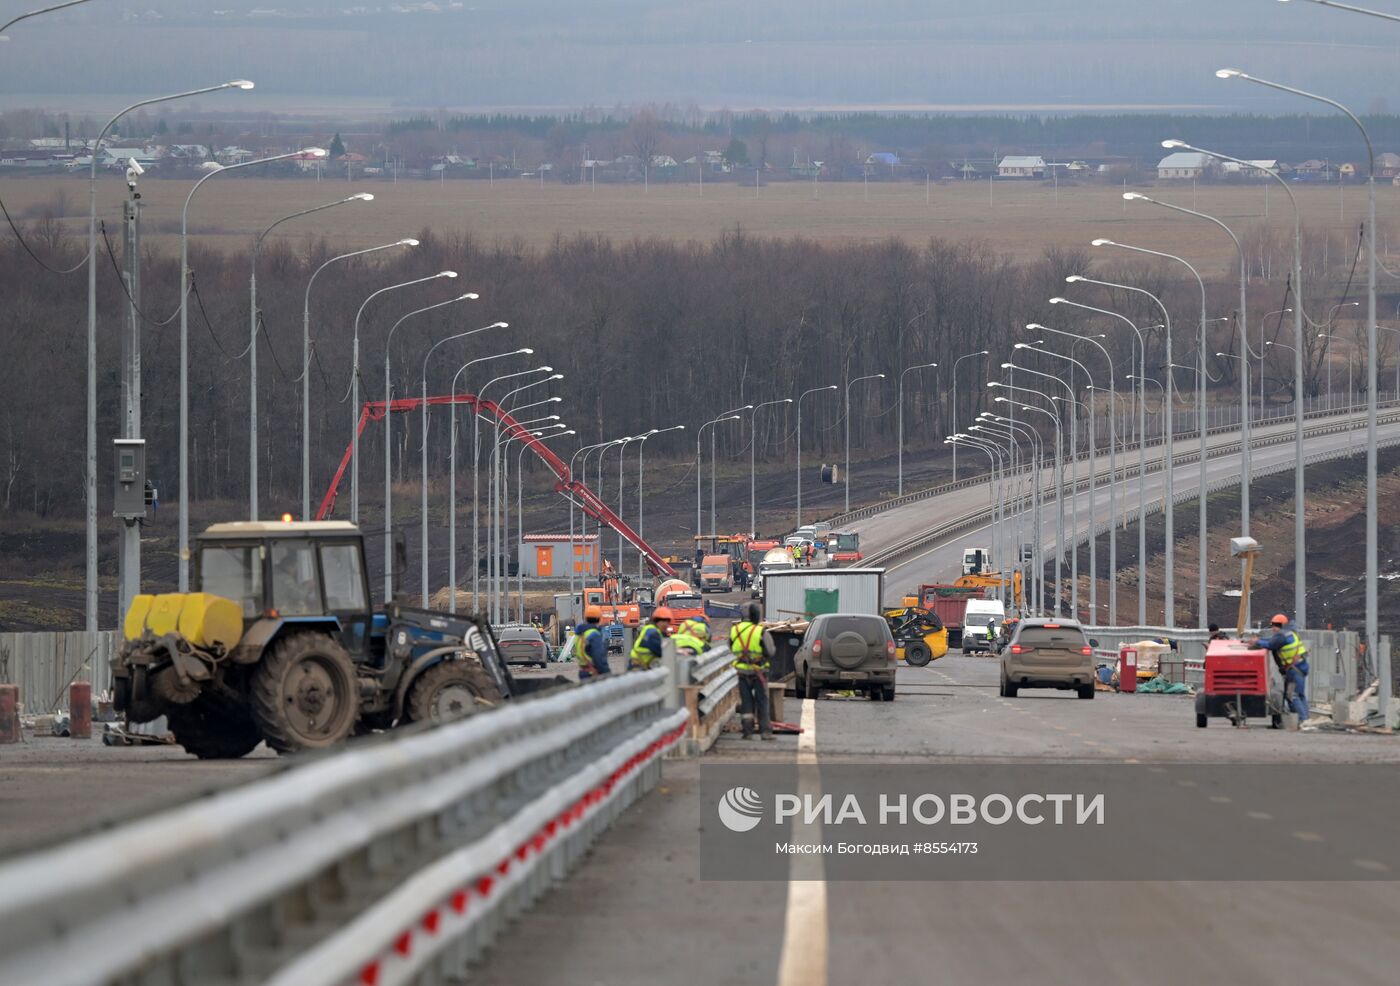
x: 803, y: 961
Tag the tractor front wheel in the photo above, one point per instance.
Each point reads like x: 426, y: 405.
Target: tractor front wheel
x: 449, y: 690
x: 214, y: 730
x: 917, y: 654
x: 304, y: 693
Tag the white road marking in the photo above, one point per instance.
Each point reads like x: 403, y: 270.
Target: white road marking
x: 1262, y: 816
x: 805, y: 934
x: 1375, y: 865
x: 1308, y: 837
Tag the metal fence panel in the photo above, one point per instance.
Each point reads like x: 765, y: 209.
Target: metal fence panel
x: 43, y: 665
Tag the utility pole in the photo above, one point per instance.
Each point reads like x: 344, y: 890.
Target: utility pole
x: 129, y: 561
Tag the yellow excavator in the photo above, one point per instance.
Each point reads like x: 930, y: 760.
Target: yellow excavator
x: 992, y: 580
x: 919, y: 635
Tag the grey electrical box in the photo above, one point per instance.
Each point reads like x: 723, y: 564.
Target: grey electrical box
x: 1027, y: 551
x: 129, y: 498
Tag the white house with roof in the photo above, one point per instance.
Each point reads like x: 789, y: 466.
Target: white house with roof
x: 1021, y: 166
x: 1251, y: 171
x: 120, y: 157
x: 1183, y: 165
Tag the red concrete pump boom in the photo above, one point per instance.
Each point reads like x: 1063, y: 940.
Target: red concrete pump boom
x: 564, y: 483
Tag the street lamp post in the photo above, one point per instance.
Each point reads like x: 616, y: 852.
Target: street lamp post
x: 253, y: 342
x: 423, y: 462
x: 1169, y: 457
x: 1093, y: 471
x: 727, y: 416
x: 584, y: 451
x: 90, y: 579
x: 388, y: 435
x: 1202, y: 602
x: 452, y: 476
x: 476, y: 476
x: 185, y: 287
x: 714, y: 468
x: 1112, y: 463
x: 1034, y: 500
x: 498, y: 495
x: 1059, y: 475
x: 641, y: 450
x: 847, y: 477
x: 753, y: 446
x: 1142, y: 447
x: 355, y: 388
x: 35, y: 13
x: 954, y: 415
x: 535, y: 439
x: 306, y: 368
x: 899, y: 488
x: 814, y: 390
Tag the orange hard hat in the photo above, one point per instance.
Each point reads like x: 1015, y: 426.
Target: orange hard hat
x: 662, y: 613
x: 1279, y: 618
x: 593, y: 613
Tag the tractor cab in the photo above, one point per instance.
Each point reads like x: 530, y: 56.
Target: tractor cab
x: 304, y: 574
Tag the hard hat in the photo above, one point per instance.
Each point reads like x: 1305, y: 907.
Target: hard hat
x: 662, y: 613
x: 701, y: 618
x: 1279, y: 620
x: 593, y: 613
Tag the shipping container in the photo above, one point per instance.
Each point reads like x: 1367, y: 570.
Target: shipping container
x: 806, y: 592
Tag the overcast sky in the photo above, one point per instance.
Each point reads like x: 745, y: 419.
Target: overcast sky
x: 774, y: 54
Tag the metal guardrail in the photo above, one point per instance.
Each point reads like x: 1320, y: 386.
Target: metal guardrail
x: 708, y: 692
x: 862, y: 513
x: 931, y: 536
x: 394, y: 863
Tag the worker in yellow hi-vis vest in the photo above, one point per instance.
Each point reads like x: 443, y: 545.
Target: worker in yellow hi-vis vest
x: 752, y: 646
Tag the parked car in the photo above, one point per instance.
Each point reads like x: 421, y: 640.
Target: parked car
x: 522, y: 644
x: 1048, y: 653
x: 846, y: 650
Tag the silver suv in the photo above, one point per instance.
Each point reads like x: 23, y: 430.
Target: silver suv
x: 846, y: 650
x: 1048, y: 653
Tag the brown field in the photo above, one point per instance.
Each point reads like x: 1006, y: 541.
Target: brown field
x: 1017, y: 218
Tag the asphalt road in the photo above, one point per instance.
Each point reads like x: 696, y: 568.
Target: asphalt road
x: 638, y: 912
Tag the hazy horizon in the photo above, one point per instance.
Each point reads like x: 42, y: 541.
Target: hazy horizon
x: 550, y: 55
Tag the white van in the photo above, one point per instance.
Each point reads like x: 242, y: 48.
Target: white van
x: 979, y: 615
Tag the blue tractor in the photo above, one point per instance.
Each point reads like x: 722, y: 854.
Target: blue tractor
x: 279, y: 644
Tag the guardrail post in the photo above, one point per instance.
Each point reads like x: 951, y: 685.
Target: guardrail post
x: 9, y: 714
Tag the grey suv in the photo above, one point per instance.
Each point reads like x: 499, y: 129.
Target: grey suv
x: 846, y: 650
x: 1048, y: 653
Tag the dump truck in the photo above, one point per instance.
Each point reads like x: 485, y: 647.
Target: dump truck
x: 949, y: 601
x: 278, y: 643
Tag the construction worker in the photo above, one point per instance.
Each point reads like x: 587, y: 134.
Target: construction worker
x: 752, y: 646
x: 693, y: 635
x: 590, y: 646
x: 1218, y: 634
x: 646, y: 649
x: 1291, y: 656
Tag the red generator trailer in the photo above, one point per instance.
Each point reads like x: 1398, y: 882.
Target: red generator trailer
x: 1237, y: 685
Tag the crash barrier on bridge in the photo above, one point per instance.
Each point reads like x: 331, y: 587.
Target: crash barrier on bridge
x: 921, y: 540
x: 1338, y: 667
x: 1219, y: 421
x: 44, y: 664
x: 392, y: 863
x: 708, y: 690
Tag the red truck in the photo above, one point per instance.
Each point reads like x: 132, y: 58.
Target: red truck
x: 949, y: 602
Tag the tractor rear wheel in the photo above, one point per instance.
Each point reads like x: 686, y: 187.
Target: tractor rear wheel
x: 450, y: 690
x: 304, y: 693
x: 214, y: 731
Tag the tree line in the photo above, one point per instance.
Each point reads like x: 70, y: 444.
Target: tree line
x: 649, y: 333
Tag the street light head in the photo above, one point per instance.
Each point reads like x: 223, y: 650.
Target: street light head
x: 732, y: 417
x: 1057, y: 301
x: 1008, y: 366
x: 446, y: 273
x: 499, y: 325
x: 1220, y: 354
x: 317, y: 152
x: 1131, y: 196
x: 1005, y: 400
x: 1073, y: 279
x: 363, y: 196
x: 569, y: 432
x: 1021, y: 345
x: 1102, y: 242
x: 1172, y: 144
x: 1229, y: 73
x: 993, y: 383
x: 527, y: 351
x: 557, y: 376
x: 469, y: 296
x: 408, y: 242
x: 544, y: 369
x: 1034, y: 326
x: 239, y: 84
